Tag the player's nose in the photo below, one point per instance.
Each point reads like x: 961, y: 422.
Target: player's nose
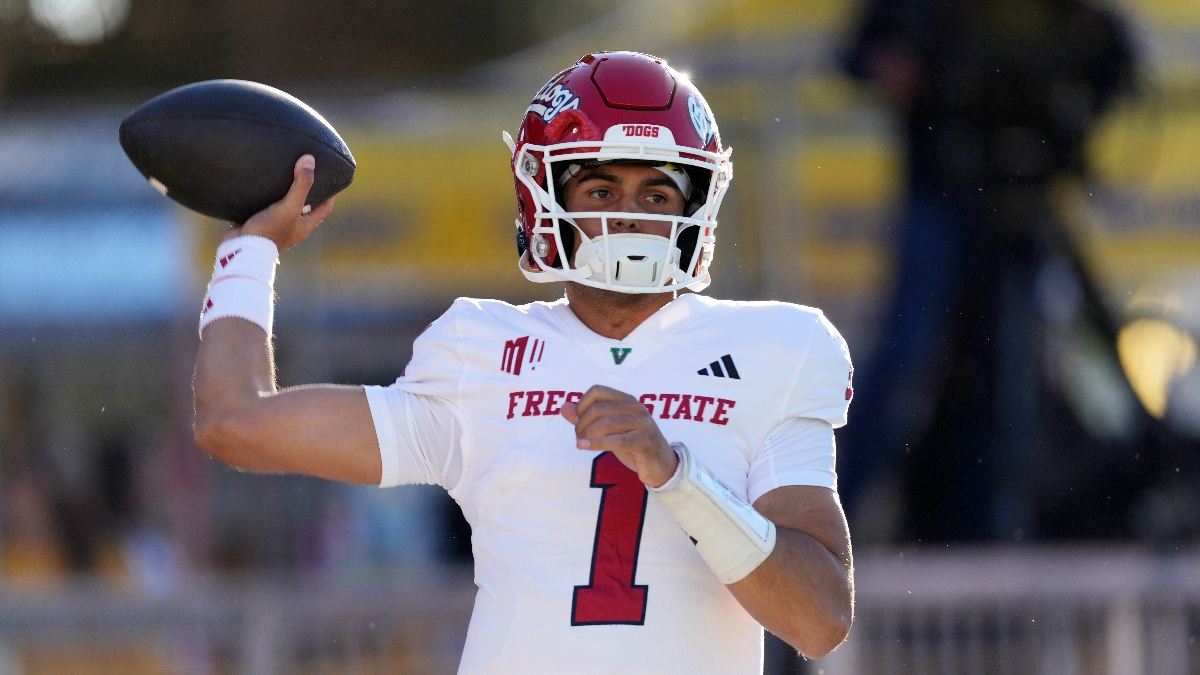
x: 618, y: 225
x: 625, y: 223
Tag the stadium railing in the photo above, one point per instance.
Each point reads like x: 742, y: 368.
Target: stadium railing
x: 1023, y: 610
x: 981, y: 611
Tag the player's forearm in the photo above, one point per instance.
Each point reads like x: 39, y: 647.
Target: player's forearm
x: 234, y: 369
x: 802, y: 593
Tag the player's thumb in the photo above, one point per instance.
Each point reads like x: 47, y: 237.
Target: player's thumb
x: 303, y: 175
x: 569, y: 412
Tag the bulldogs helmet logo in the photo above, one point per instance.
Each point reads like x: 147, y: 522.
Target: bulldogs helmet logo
x: 551, y: 100
x: 701, y: 120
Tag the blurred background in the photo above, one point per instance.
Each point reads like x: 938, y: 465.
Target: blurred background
x: 996, y: 201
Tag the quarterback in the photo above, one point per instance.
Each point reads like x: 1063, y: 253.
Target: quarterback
x: 649, y: 477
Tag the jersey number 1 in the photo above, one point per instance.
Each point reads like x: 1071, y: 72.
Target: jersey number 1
x: 611, y: 596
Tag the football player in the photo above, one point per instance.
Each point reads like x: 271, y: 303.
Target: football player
x: 649, y: 477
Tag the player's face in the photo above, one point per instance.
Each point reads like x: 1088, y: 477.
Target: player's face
x: 625, y: 188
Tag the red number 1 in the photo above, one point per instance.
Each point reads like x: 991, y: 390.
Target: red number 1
x: 611, y: 596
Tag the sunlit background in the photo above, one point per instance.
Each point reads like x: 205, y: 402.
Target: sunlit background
x: 124, y: 549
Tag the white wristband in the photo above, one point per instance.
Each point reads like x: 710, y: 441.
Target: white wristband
x: 243, y: 283
x: 731, y: 537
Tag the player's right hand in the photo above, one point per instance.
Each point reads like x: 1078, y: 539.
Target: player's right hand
x: 608, y: 419
x: 285, y: 221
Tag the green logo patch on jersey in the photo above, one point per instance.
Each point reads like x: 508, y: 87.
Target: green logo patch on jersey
x: 619, y: 354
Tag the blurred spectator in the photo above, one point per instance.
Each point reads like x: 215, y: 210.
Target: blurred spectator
x: 33, y: 556
x: 100, y: 523
x: 996, y: 97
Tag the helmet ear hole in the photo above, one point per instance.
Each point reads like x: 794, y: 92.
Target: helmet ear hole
x: 566, y: 235
x: 700, y: 182
x: 522, y: 243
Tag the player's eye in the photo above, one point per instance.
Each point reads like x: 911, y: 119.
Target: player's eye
x: 657, y: 198
x: 599, y: 193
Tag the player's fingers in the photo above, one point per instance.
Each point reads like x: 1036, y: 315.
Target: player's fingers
x: 589, y: 397
x: 612, y: 424
x: 593, y: 412
x: 599, y: 409
x: 320, y: 211
x: 615, y: 443
x: 303, y: 174
x: 312, y: 219
x: 616, y: 423
x: 598, y: 393
x: 302, y: 231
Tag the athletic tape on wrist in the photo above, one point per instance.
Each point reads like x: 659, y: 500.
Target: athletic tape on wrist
x: 676, y: 477
x: 243, y: 283
x: 731, y: 537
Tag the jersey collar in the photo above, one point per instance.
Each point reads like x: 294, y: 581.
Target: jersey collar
x: 641, y: 341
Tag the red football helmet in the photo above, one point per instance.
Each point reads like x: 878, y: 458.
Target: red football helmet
x: 618, y: 107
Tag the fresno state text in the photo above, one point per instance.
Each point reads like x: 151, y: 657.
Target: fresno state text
x: 670, y: 406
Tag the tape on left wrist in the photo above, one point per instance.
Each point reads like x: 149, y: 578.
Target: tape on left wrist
x: 731, y: 536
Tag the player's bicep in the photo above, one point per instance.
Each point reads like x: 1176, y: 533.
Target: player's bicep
x: 792, y: 481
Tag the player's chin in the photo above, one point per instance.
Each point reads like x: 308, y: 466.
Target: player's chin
x: 613, y: 298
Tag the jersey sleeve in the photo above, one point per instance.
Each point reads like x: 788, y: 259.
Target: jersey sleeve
x: 420, y: 438
x: 798, y: 452
x: 416, y: 418
x: 823, y: 387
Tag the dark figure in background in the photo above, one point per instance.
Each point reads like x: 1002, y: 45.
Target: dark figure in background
x: 996, y: 97
x: 95, y: 510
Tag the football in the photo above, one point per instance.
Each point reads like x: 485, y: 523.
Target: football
x: 227, y: 148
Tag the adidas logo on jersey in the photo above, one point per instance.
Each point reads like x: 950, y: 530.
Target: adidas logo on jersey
x: 729, y: 370
x: 514, y: 354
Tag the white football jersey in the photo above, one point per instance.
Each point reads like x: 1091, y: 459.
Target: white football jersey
x: 578, y: 571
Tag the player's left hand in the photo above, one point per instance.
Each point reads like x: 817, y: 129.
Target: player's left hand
x: 607, y: 419
x: 288, y: 221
